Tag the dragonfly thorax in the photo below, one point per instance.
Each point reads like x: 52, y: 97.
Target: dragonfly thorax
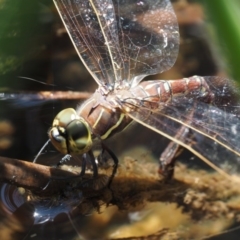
x: 104, y: 114
x: 70, y: 134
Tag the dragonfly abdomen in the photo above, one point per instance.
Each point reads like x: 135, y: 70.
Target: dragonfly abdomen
x: 164, y: 91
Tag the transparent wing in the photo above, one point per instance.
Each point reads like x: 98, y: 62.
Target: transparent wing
x: 119, y: 40
x: 214, y: 130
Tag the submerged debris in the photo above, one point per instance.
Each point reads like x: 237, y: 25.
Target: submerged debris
x: 138, y: 204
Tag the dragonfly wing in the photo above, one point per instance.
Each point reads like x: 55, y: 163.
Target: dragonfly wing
x: 149, y: 36
x: 120, y: 40
x: 214, y: 128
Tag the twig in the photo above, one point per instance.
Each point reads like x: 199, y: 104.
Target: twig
x: 45, y: 95
x: 196, y: 191
x: 30, y: 175
x: 36, y: 177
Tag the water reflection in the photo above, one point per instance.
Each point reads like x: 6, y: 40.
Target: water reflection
x: 31, y: 217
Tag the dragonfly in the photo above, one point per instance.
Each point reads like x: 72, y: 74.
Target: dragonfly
x: 120, y: 43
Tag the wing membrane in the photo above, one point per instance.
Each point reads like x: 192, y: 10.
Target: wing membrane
x: 214, y: 129
x: 120, y: 40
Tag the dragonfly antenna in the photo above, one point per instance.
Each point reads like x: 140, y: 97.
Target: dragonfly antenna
x: 34, y: 80
x: 35, y: 159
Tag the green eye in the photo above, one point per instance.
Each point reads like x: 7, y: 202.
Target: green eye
x: 65, y: 117
x: 78, y: 135
x: 70, y: 134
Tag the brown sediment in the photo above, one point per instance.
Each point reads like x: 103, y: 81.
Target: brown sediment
x: 194, y: 204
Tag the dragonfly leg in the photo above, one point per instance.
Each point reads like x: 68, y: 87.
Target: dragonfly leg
x: 84, y: 164
x: 66, y: 158
x: 115, y: 160
x: 93, y: 162
x: 82, y: 173
x: 168, y: 159
x: 86, y: 156
x: 172, y: 151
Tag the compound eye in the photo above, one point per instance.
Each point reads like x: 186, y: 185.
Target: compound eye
x: 70, y: 134
x: 79, y: 136
x: 65, y: 117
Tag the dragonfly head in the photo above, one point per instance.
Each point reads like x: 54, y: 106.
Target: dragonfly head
x: 70, y: 134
